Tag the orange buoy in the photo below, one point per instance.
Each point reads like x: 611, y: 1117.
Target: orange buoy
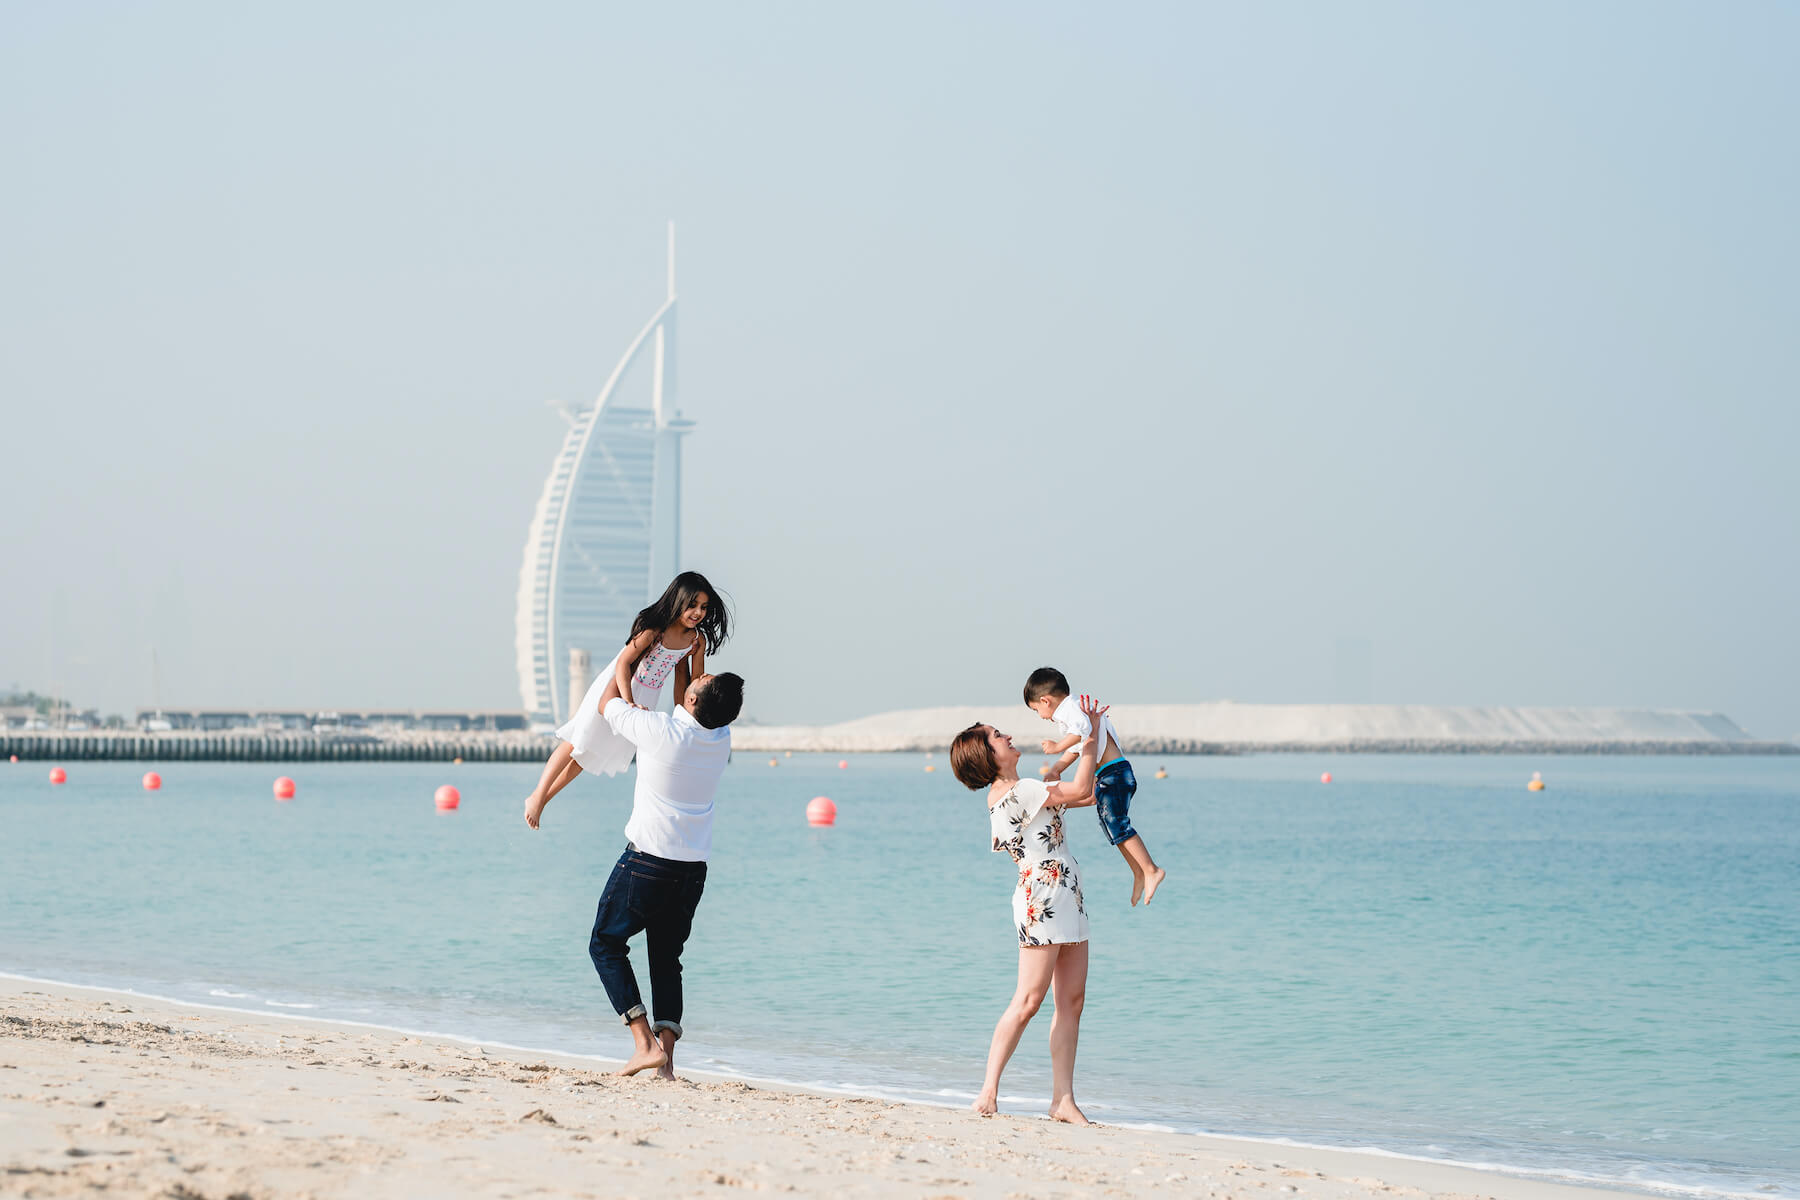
x: 457, y: 761
x: 821, y: 811
x: 1325, y: 778
x: 1536, y: 784
x: 152, y: 781
x: 58, y: 775
x: 930, y: 767
x: 284, y: 788
x: 448, y: 798
x: 1162, y: 772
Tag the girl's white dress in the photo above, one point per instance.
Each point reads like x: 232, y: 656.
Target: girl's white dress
x: 596, y: 746
x: 1047, y: 905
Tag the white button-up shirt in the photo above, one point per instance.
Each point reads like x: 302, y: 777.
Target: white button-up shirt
x: 679, y: 762
x: 1070, y: 719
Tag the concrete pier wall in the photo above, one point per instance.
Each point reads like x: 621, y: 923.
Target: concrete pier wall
x: 298, y: 747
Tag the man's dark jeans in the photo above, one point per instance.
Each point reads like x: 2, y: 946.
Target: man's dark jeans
x: 657, y: 896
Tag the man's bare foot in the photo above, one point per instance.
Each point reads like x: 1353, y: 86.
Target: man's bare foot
x: 1137, y: 887
x: 1152, y: 881
x: 643, y: 1060
x: 1065, y: 1111
x: 987, y: 1104
x: 666, y: 1071
x: 534, y: 808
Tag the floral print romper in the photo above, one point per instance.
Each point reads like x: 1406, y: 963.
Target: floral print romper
x: 1047, y: 906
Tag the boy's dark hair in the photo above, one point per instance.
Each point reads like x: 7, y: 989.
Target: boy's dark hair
x: 972, y: 759
x: 715, y: 626
x: 1045, y: 681
x: 720, y: 701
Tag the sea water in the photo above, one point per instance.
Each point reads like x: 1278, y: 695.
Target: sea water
x: 1599, y: 981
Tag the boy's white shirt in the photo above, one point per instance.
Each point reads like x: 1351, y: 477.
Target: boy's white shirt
x: 1070, y: 719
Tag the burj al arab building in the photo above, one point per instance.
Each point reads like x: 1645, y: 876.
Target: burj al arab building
x: 605, y: 538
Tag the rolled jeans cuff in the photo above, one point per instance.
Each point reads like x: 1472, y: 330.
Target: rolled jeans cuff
x: 631, y: 1014
x: 657, y: 1027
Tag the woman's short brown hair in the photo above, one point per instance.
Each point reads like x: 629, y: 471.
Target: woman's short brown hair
x: 972, y: 759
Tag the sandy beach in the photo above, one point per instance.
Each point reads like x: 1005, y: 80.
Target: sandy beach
x: 115, y: 1093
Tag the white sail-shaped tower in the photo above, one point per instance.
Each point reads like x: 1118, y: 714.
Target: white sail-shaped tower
x: 606, y: 536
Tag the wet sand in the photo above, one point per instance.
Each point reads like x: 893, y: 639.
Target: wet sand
x: 107, y: 1093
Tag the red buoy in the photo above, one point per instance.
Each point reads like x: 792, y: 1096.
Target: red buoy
x: 821, y: 811
x: 448, y: 798
x: 843, y: 763
x: 1325, y: 778
x: 15, y: 758
x: 58, y: 775
x: 152, y: 781
x: 284, y: 788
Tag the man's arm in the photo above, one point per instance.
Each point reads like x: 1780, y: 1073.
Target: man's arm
x: 639, y: 726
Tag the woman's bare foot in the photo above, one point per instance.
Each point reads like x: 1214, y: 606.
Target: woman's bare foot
x: 1152, y: 881
x: 643, y: 1060
x: 1064, y: 1110
x: 987, y: 1104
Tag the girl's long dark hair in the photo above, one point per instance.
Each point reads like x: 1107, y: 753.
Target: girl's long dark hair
x: 715, y: 626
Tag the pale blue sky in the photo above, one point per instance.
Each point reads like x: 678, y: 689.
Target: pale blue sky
x: 1172, y: 345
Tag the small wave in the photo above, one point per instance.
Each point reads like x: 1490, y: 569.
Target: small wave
x: 284, y: 1004
x: 230, y: 995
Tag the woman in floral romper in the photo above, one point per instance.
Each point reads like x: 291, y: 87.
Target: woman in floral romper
x: 1025, y: 817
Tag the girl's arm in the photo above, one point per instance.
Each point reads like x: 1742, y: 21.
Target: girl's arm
x: 634, y: 650
x: 690, y: 668
x: 1079, y: 791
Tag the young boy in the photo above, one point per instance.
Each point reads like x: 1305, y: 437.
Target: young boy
x: 1047, y: 695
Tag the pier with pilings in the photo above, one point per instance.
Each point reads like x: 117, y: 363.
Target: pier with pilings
x: 184, y: 746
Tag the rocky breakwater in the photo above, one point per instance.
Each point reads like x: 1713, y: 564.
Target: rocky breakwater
x: 1226, y: 727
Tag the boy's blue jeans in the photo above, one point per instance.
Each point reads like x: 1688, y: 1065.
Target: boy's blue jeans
x: 656, y: 896
x: 1114, y: 786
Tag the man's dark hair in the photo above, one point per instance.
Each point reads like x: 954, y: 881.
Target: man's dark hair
x: 1045, y: 681
x: 720, y: 700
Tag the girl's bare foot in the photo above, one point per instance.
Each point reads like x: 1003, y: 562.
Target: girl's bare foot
x: 987, y: 1104
x: 534, y: 808
x: 643, y: 1060
x: 1152, y: 881
x: 1064, y: 1110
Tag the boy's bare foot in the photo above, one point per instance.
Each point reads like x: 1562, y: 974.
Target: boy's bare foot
x: 1152, y: 881
x: 643, y: 1060
x: 534, y: 808
x: 1065, y: 1111
x: 1137, y: 887
x: 987, y: 1104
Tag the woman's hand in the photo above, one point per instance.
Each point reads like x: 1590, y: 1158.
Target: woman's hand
x: 1093, y: 710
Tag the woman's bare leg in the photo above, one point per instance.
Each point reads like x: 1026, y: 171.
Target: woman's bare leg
x: 1069, y: 987
x: 548, y: 783
x: 1036, y: 965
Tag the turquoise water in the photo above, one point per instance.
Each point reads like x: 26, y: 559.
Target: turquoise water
x: 1599, y: 981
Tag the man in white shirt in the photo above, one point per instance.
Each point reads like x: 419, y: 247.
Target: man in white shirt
x: 657, y: 882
